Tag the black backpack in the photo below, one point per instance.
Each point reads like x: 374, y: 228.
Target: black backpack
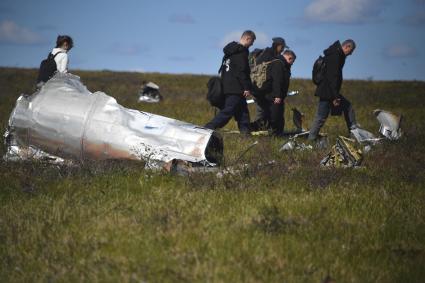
x: 215, y: 93
x: 47, y: 68
x: 319, y: 70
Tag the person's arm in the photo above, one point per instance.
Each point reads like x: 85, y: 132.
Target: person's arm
x: 62, y: 62
x: 243, y: 71
x: 278, y: 82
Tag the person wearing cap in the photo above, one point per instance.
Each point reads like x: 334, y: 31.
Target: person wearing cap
x: 263, y: 106
x: 271, y: 98
x: 328, y: 90
x: 237, y: 85
x: 270, y: 53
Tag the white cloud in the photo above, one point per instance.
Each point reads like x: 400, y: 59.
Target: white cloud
x: 343, y: 11
x: 262, y: 38
x: 12, y: 33
x: 400, y: 51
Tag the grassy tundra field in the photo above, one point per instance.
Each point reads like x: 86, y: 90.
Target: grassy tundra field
x: 290, y: 222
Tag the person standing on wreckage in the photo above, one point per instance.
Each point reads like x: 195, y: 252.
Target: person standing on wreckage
x: 237, y: 85
x: 328, y: 90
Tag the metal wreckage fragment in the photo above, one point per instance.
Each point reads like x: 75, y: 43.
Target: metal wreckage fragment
x: 65, y: 121
x: 343, y: 154
x: 149, y: 93
x: 390, y: 124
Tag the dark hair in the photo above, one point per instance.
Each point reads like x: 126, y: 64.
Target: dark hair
x: 274, y: 47
x: 290, y: 52
x: 349, y: 42
x: 62, y: 39
x: 249, y: 33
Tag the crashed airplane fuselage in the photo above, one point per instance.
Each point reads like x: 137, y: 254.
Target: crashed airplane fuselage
x: 65, y: 119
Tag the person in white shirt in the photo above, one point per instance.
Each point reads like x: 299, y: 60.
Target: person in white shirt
x: 59, y: 55
x: 64, y: 43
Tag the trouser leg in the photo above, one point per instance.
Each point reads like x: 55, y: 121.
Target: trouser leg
x: 222, y: 118
x: 349, y: 115
x: 242, y: 116
x: 262, y: 115
x: 277, y: 118
x: 320, y: 119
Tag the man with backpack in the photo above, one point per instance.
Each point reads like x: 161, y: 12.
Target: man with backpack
x: 56, y: 61
x: 328, y: 77
x: 236, y: 82
x: 270, y: 98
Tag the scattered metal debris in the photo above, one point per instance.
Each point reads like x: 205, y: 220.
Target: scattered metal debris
x: 149, y: 93
x: 294, y: 144
x: 390, y: 124
x: 363, y: 136
x: 343, y: 154
x: 64, y: 120
x: 184, y: 168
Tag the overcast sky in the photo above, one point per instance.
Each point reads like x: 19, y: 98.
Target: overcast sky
x: 187, y: 36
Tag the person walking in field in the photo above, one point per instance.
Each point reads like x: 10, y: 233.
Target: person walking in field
x: 237, y: 85
x: 328, y: 89
x: 260, y: 56
x: 270, y: 100
x: 57, y: 60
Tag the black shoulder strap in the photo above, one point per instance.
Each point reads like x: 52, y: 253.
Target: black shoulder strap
x: 55, y: 54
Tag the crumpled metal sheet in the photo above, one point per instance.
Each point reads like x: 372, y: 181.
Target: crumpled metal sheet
x: 364, y: 136
x: 150, y: 93
x: 294, y: 143
x: 66, y: 120
x: 390, y: 124
x: 343, y: 154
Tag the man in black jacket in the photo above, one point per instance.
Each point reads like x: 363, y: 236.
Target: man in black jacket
x: 271, y: 98
x: 328, y: 90
x: 235, y: 75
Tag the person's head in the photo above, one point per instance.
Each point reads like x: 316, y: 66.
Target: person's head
x: 278, y: 45
x: 348, y: 47
x: 247, y: 39
x: 289, y: 56
x: 65, y: 42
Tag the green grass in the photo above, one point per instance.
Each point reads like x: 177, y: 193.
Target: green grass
x: 291, y: 222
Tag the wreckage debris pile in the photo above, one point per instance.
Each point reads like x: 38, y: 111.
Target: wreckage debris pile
x: 344, y: 153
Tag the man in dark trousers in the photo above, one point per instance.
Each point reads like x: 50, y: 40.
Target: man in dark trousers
x: 266, y: 55
x: 235, y: 75
x: 328, y: 90
x: 271, y: 98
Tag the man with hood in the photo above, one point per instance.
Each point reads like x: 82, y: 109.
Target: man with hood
x: 328, y: 90
x: 235, y: 75
x: 270, y: 99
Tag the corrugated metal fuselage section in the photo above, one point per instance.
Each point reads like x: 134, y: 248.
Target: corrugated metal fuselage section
x: 65, y: 119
